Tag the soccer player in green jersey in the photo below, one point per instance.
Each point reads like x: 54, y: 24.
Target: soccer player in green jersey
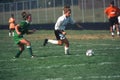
x: 20, y: 30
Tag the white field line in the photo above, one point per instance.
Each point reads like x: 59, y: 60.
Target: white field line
x: 89, y: 77
x: 57, y: 66
x: 54, y: 79
x: 97, y: 77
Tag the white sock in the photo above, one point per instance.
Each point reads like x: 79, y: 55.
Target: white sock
x: 118, y: 33
x: 66, y: 50
x: 113, y: 27
x: 112, y: 33
x: 12, y: 33
x: 53, y: 41
x: 9, y: 34
x: 28, y: 46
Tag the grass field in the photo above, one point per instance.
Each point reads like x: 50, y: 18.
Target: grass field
x: 52, y: 64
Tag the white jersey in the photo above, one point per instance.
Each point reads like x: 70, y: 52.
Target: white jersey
x: 62, y: 22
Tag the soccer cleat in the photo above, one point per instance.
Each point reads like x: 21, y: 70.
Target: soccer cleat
x: 45, y: 42
x: 32, y: 56
x: 15, y: 57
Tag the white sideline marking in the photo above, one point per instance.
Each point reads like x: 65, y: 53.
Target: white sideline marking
x: 54, y: 79
x: 89, y: 77
x: 113, y: 76
x: 98, y: 77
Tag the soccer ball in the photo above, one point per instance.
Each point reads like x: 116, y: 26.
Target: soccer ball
x: 89, y: 52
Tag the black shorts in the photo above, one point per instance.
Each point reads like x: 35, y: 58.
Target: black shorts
x: 11, y: 29
x: 113, y: 20
x: 59, y: 35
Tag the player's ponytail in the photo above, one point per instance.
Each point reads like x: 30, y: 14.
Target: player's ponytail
x: 24, y: 14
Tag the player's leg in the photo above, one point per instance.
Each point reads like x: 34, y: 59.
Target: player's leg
x: 50, y: 41
x: 117, y: 29
x: 28, y: 46
x: 111, y: 22
x: 114, y: 27
x: 112, y: 31
x: 21, y: 49
x: 10, y: 32
x: 66, y: 48
x: 117, y: 26
x: 59, y: 38
x: 58, y: 42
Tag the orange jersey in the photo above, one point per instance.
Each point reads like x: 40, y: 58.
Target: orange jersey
x: 112, y: 11
x: 11, y: 23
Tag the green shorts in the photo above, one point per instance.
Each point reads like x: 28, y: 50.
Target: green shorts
x: 17, y: 38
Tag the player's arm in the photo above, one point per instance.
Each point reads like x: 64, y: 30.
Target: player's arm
x: 78, y: 25
x: 11, y: 20
x: 17, y: 29
x: 74, y: 23
x: 30, y: 31
x: 106, y: 11
x: 63, y: 32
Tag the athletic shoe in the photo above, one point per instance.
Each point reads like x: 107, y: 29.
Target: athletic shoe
x: 45, y: 42
x: 32, y: 56
x: 15, y: 57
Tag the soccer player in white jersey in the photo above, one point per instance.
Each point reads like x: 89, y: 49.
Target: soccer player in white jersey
x: 59, y: 30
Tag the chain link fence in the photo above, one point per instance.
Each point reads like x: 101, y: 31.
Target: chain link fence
x: 47, y: 11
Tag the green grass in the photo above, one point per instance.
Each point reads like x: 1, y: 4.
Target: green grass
x: 52, y: 64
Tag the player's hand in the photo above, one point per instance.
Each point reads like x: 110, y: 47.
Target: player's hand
x: 19, y: 33
x: 79, y: 26
x: 64, y: 33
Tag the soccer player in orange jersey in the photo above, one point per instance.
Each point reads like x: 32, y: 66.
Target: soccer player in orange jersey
x: 112, y: 13
x: 11, y: 25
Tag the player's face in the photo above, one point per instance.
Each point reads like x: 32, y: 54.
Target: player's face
x: 68, y: 13
x: 29, y: 19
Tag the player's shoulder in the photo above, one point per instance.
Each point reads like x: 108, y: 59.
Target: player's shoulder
x: 10, y: 19
x: 61, y: 17
x: 22, y: 23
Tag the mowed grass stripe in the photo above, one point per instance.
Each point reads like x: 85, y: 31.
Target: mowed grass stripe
x: 61, y: 66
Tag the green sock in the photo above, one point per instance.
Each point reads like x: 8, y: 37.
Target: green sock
x: 18, y: 54
x: 30, y: 50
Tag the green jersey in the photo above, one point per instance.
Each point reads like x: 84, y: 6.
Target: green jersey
x: 23, y: 28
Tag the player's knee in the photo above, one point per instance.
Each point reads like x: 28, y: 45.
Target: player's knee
x: 28, y: 43
x: 60, y: 43
x: 22, y: 49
